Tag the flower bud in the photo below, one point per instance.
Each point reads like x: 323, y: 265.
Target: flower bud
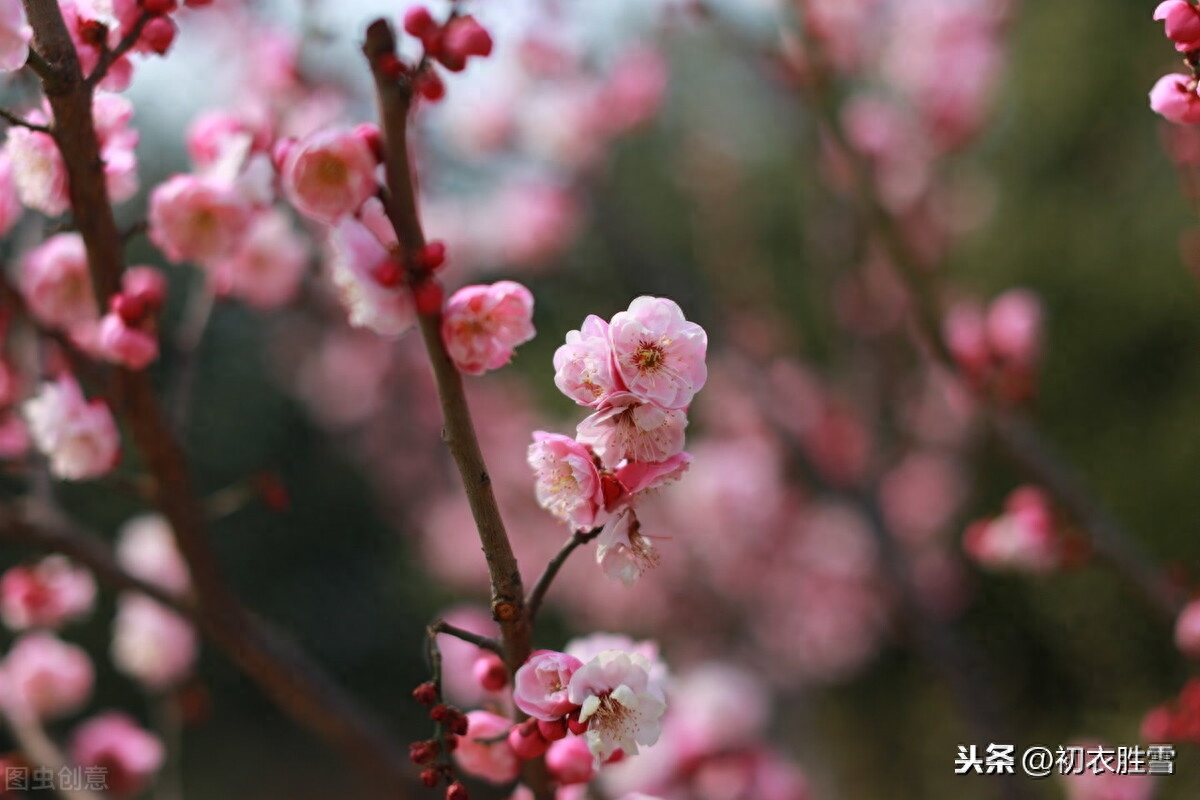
x: 426, y: 694
x: 491, y: 673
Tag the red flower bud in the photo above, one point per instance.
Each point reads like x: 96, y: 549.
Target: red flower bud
x: 428, y: 296
x: 456, y: 791
x: 419, y: 22
x: 389, y: 274
x: 158, y: 6
x: 426, y: 694
x: 432, y: 256
x: 553, y: 731
x: 131, y: 309
x: 429, y: 85
x: 431, y: 777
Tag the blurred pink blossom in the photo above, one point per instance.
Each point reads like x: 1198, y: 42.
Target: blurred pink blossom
x: 130, y: 755
x: 79, y: 437
x: 48, y: 594
x: 45, y: 676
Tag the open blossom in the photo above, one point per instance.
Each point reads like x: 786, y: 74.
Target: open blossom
x: 626, y: 428
x: 491, y: 760
x: 46, y: 595
x: 622, y: 550
x: 116, y: 341
x: 151, y: 643
x: 118, y: 142
x: 1182, y: 23
x: 56, y: 284
x: 620, y: 705
x: 482, y: 325
x: 129, y: 754
x: 1174, y: 97
x: 45, y: 677
x: 79, y: 437
x: 540, y: 688
x: 567, y: 481
x: 659, y: 354
x: 583, y: 367
x: 355, y: 253
x: 200, y: 219
x: 1187, y: 630
x: 10, y: 203
x: 329, y: 175
x: 1024, y: 538
x: 15, y: 34
x: 1014, y: 327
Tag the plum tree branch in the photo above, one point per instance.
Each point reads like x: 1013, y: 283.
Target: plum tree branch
x: 577, y: 539
x: 280, y: 668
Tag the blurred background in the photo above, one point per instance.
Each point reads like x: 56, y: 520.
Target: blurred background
x: 612, y: 149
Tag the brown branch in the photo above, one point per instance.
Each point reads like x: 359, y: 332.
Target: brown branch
x: 484, y: 642
x: 395, y: 101
x: 109, y: 57
x: 534, y: 601
x: 16, y: 119
x: 283, y: 671
x: 1019, y: 440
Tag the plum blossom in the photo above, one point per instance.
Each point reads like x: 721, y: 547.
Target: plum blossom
x: 151, y: 643
x: 492, y: 761
x: 146, y: 550
x: 45, y: 676
x: 659, y: 354
x: 330, y: 174
x: 355, y: 253
x: 1182, y: 23
x: 626, y: 428
x: 268, y: 268
x: 1174, y: 97
x: 584, y: 369
x: 115, y: 340
x: 1024, y: 538
x: 570, y: 761
x: 56, y: 283
x: 540, y: 688
x: 482, y: 325
x: 197, y: 218
x: 38, y: 171
x: 47, y: 594
x: 15, y: 34
x: 620, y: 705
x: 623, y: 551
x: 79, y: 437
x: 567, y: 482
x: 130, y: 755
x: 10, y: 203
x: 1187, y: 630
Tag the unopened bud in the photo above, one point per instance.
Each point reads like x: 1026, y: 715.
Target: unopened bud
x: 456, y: 791
x: 490, y: 672
x: 426, y: 694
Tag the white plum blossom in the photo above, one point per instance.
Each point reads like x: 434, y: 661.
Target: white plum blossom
x: 619, y: 703
x: 78, y: 437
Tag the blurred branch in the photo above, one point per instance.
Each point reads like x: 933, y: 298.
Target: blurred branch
x: 484, y: 642
x: 579, y: 538
x: 1019, y: 440
x: 281, y: 669
x: 41, y: 750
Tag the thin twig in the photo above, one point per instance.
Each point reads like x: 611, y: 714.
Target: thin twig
x: 534, y: 601
x: 16, y: 119
x: 110, y: 56
x: 485, y: 642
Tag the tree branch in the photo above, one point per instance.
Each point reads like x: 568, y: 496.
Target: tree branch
x: 278, y: 666
x: 110, y: 57
x: 16, y: 119
x: 484, y: 642
x: 534, y: 601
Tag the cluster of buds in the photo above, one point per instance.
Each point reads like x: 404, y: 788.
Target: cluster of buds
x: 451, y: 724
x: 1175, y: 96
x: 1178, y: 720
x: 451, y: 43
x: 639, y: 372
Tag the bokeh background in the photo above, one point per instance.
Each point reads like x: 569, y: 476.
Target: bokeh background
x: 721, y: 201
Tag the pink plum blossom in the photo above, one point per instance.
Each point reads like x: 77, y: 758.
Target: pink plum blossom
x: 1182, y: 23
x: 79, y: 437
x: 626, y: 428
x: 622, y: 551
x: 47, y: 594
x: 459, y: 658
x: 620, y: 705
x: 118, y: 141
x: 268, y: 268
x: 15, y: 34
x: 118, y: 342
x: 151, y: 643
x: 56, y: 283
x: 130, y: 755
x: 45, y: 677
x: 1187, y: 630
x: 10, y: 203
x: 329, y: 175
x: 200, y: 219
x: 659, y: 354
x: 492, y: 761
x: 38, y: 171
x: 1174, y: 97
x: 483, y: 324
x: 584, y: 369
x: 146, y: 550
x: 1014, y: 327
x: 355, y: 253
x: 540, y: 688
x: 1024, y: 538
x: 567, y: 481
x: 1106, y: 784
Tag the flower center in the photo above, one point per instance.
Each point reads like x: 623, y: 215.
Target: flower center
x: 649, y: 356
